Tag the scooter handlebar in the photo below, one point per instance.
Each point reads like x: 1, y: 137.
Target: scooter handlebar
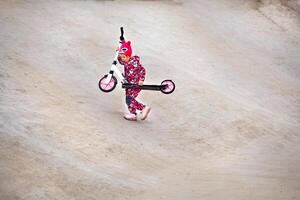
x: 122, y: 34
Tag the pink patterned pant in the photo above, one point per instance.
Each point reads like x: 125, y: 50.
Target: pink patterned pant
x: 133, y: 104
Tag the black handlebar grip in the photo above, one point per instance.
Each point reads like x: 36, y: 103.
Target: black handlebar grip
x: 122, y: 33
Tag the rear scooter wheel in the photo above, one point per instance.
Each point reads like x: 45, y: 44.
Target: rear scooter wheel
x: 107, y: 87
x: 168, y: 86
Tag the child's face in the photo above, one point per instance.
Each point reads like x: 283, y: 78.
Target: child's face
x: 124, y: 58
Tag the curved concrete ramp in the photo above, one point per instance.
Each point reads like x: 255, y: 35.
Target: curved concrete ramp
x: 229, y: 131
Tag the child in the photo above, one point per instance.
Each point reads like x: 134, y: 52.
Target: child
x: 134, y: 73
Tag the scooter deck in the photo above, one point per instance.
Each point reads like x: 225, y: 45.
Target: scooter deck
x: 143, y: 87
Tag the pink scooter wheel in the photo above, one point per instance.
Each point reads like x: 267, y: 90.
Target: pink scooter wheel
x: 107, y: 87
x: 168, y: 86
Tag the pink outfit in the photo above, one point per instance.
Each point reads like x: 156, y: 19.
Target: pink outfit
x: 133, y: 72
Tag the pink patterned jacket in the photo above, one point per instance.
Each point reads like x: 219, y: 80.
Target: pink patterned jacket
x: 133, y: 70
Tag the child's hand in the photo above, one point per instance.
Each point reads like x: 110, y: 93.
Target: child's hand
x: 141, y: 83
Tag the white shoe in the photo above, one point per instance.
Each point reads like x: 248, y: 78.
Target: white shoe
x: 130, y: 117
x: 145, y: 112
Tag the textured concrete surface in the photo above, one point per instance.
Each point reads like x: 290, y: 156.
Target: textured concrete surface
x: 230, y: 130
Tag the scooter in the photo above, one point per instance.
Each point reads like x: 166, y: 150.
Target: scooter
x: 109, y: 81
